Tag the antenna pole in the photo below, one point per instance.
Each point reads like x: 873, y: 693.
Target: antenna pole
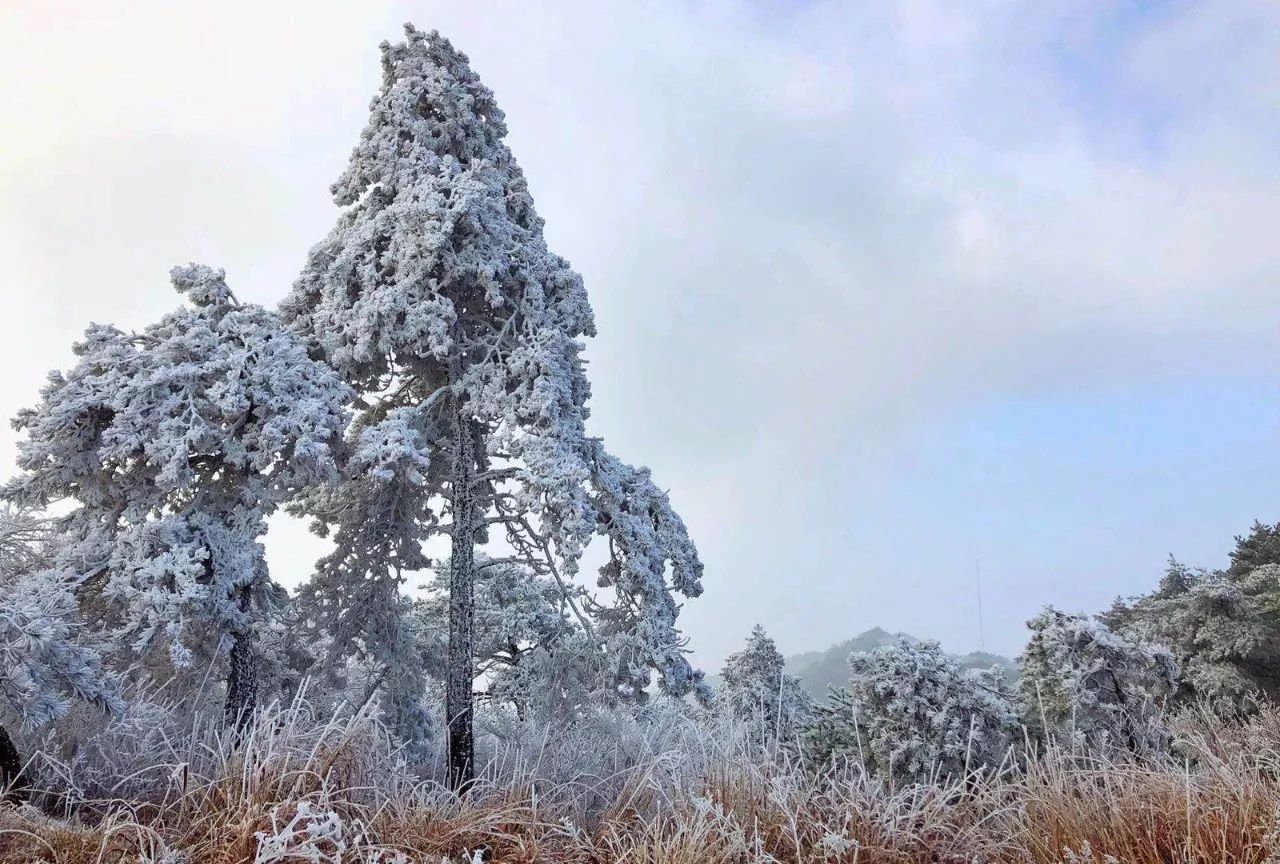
x: 977, y: 578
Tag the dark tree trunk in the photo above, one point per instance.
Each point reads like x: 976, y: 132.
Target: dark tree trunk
x: 13, y: 782
x: 242, y: 678
x: 460, y: 676
x: 514, y: 650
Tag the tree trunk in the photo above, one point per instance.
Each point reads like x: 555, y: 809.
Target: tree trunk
x: 242, y: 678
x: 460, y: 676
x: 12, y: 782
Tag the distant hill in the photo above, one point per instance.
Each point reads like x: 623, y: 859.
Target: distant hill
x: 819, y: 671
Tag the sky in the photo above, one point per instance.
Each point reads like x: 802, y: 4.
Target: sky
x: 889, y: 295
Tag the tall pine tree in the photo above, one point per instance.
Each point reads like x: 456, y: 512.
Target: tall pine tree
x: 436, y: 297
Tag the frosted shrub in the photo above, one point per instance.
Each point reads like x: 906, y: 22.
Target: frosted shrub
x: 47, y: 663
x: 1086, y: 686
x: 134, y: 750
x: 911, y: 714
x: 1220, y: 625
x: 44, y: 666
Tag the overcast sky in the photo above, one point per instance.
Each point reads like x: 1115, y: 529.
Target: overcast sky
x: 883, y: 289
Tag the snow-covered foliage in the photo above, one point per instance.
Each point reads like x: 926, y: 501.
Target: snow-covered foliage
x: 352, y: 612
x: 1084, y: 685
x: 45, y: 661
x: 658, y: 787
x: 911, y: 714
x: 647, y: 540
x: 1219, y: 629
x: 531, y: 650
x: 436, y: 297
x: 172, y: 446
x: 1221, y: 625
x: 756, y: 688
x: 44, y: 664
x: 24, y: 541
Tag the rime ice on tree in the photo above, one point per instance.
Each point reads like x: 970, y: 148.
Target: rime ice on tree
x: 173, y: 445
x: 46, y: 660
x: 1082, y: 684
x: 757, y: 689
x: 1220, y: 625
x: 531, y: 651
x: 436, y: 297
x: 912, y: 714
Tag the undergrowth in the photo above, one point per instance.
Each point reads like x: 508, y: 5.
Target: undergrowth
x: 658, y: 789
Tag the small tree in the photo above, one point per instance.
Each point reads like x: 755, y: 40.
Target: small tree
x: 1084, y: 684
x: 436, y: 297
x: 45, y: 663
x: 911, y: 714
x: 757, y: 689
x: 173, y: 445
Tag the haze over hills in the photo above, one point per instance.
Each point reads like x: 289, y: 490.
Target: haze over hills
x: 819, y: 671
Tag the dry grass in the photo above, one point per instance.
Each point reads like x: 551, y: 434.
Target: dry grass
x: 296, y: 791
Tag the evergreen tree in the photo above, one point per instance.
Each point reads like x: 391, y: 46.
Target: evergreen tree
x: 1222, y: 626
x: 911, y: 714
x: 172, y: 446
x: 436, y: 297
x: 1261, y: 546
x: 46, y: 661
x: 1084, y: 684
x: 757, y: 689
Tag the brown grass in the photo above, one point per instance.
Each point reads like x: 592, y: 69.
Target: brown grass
x: 1218, y: 804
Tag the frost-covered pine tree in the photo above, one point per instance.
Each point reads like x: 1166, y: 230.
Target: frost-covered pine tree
x: 436, y: 297
x: 1222, y: 626
x: 1084, y: 685
x: 911, y: 714
x: 171, y: 446
x: 45, y: 661
x: 756, y: 688
x: 1222, y: 631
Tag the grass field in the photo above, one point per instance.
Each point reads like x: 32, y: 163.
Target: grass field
x: 670, y: 789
